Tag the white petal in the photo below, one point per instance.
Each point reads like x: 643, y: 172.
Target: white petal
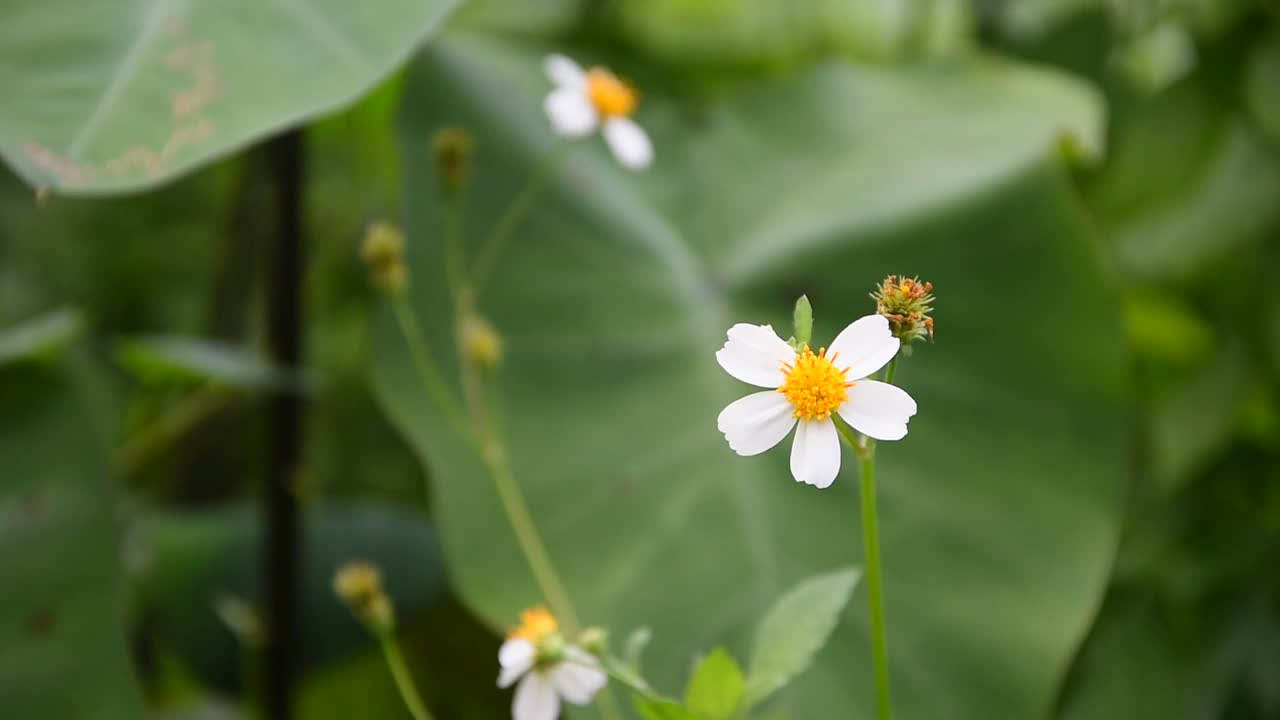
x: 757, y: 422
x: 755, y: 354
x: 815, y: 453
x: 629, y: 143
x: 535, y: 699
x: 564, y: 72
x: 570, y: 112
x: 575, y: 680
x: 864, y: 347
x: 878, y: 410
x: 515, y: 656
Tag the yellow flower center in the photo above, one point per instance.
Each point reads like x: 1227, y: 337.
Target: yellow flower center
x: 814, y: 386
x: 535, y: 624
x: 610, y: 96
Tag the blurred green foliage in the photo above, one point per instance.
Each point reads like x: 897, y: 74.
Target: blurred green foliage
x: 1177, y: 199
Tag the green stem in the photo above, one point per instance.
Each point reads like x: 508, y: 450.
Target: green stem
x: 454, y: 260
x: 404, y: 681
x: 875, y: 582
x: 173, y: 423
x: 493, y: 245
x: 890, y: 370
x: 631, y: 681
x: 425, y: 366
x: 527, y: 535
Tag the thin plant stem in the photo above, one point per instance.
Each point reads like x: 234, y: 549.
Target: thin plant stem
x: 454, y: 260
x: 865, y: 449
x: 631, y: 681
x: 875, y: 584
x: 400, y: 672
x: 890, y: 370
x: 493, y: 245
x: 425, y: 366
x: 521, y: 521
x: 174, y: 423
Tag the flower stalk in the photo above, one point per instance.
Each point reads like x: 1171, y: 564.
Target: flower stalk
x: 875, y: 583
x: 496, y: 241
x: 359, y: 586
x: 403, y: 680
x: 865, y: 449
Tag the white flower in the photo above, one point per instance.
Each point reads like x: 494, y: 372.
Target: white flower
x: 808, y: 388
x: 574, y: 675
x: 586, y: 99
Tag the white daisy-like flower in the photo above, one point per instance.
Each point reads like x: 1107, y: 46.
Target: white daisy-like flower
x: 547, y: 668
x: 584, y: 100
x: 807, y: 388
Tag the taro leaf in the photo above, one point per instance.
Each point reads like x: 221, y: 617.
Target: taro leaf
x: 114, y: 95
x: 999, y: 512
x: 794, y: 630
x: 62, y: 644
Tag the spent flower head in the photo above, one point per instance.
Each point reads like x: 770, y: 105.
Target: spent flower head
x: 548, y: 669
x: 584, y: 100
x: 907, y: 304
x: 359, y: 586
x: 807, y: 389
x: 382, y: 251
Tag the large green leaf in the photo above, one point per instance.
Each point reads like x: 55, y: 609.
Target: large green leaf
x: 62, y: 644
x: 999, y: 511
x: 114, y: 95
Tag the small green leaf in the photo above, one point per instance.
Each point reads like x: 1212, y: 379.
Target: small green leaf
x: 795, y: 629
x: 661, y: 709
x: 716, y: 688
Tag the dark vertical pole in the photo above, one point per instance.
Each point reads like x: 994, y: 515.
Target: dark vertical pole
x: 284, y: 336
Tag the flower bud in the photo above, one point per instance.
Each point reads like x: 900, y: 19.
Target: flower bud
x: 452, y: 148
x: 905, y: 302
x: 383, y: 254
x: 594, y: 640
x: 803, y: 318
x: 481, y: 343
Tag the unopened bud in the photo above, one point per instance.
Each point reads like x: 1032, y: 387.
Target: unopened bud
x: 452, y: 148
x: 803, y: 318
x: 906, y: 303
x: 481, y: 343
x: 383, y: 254
x: 594, y: 640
